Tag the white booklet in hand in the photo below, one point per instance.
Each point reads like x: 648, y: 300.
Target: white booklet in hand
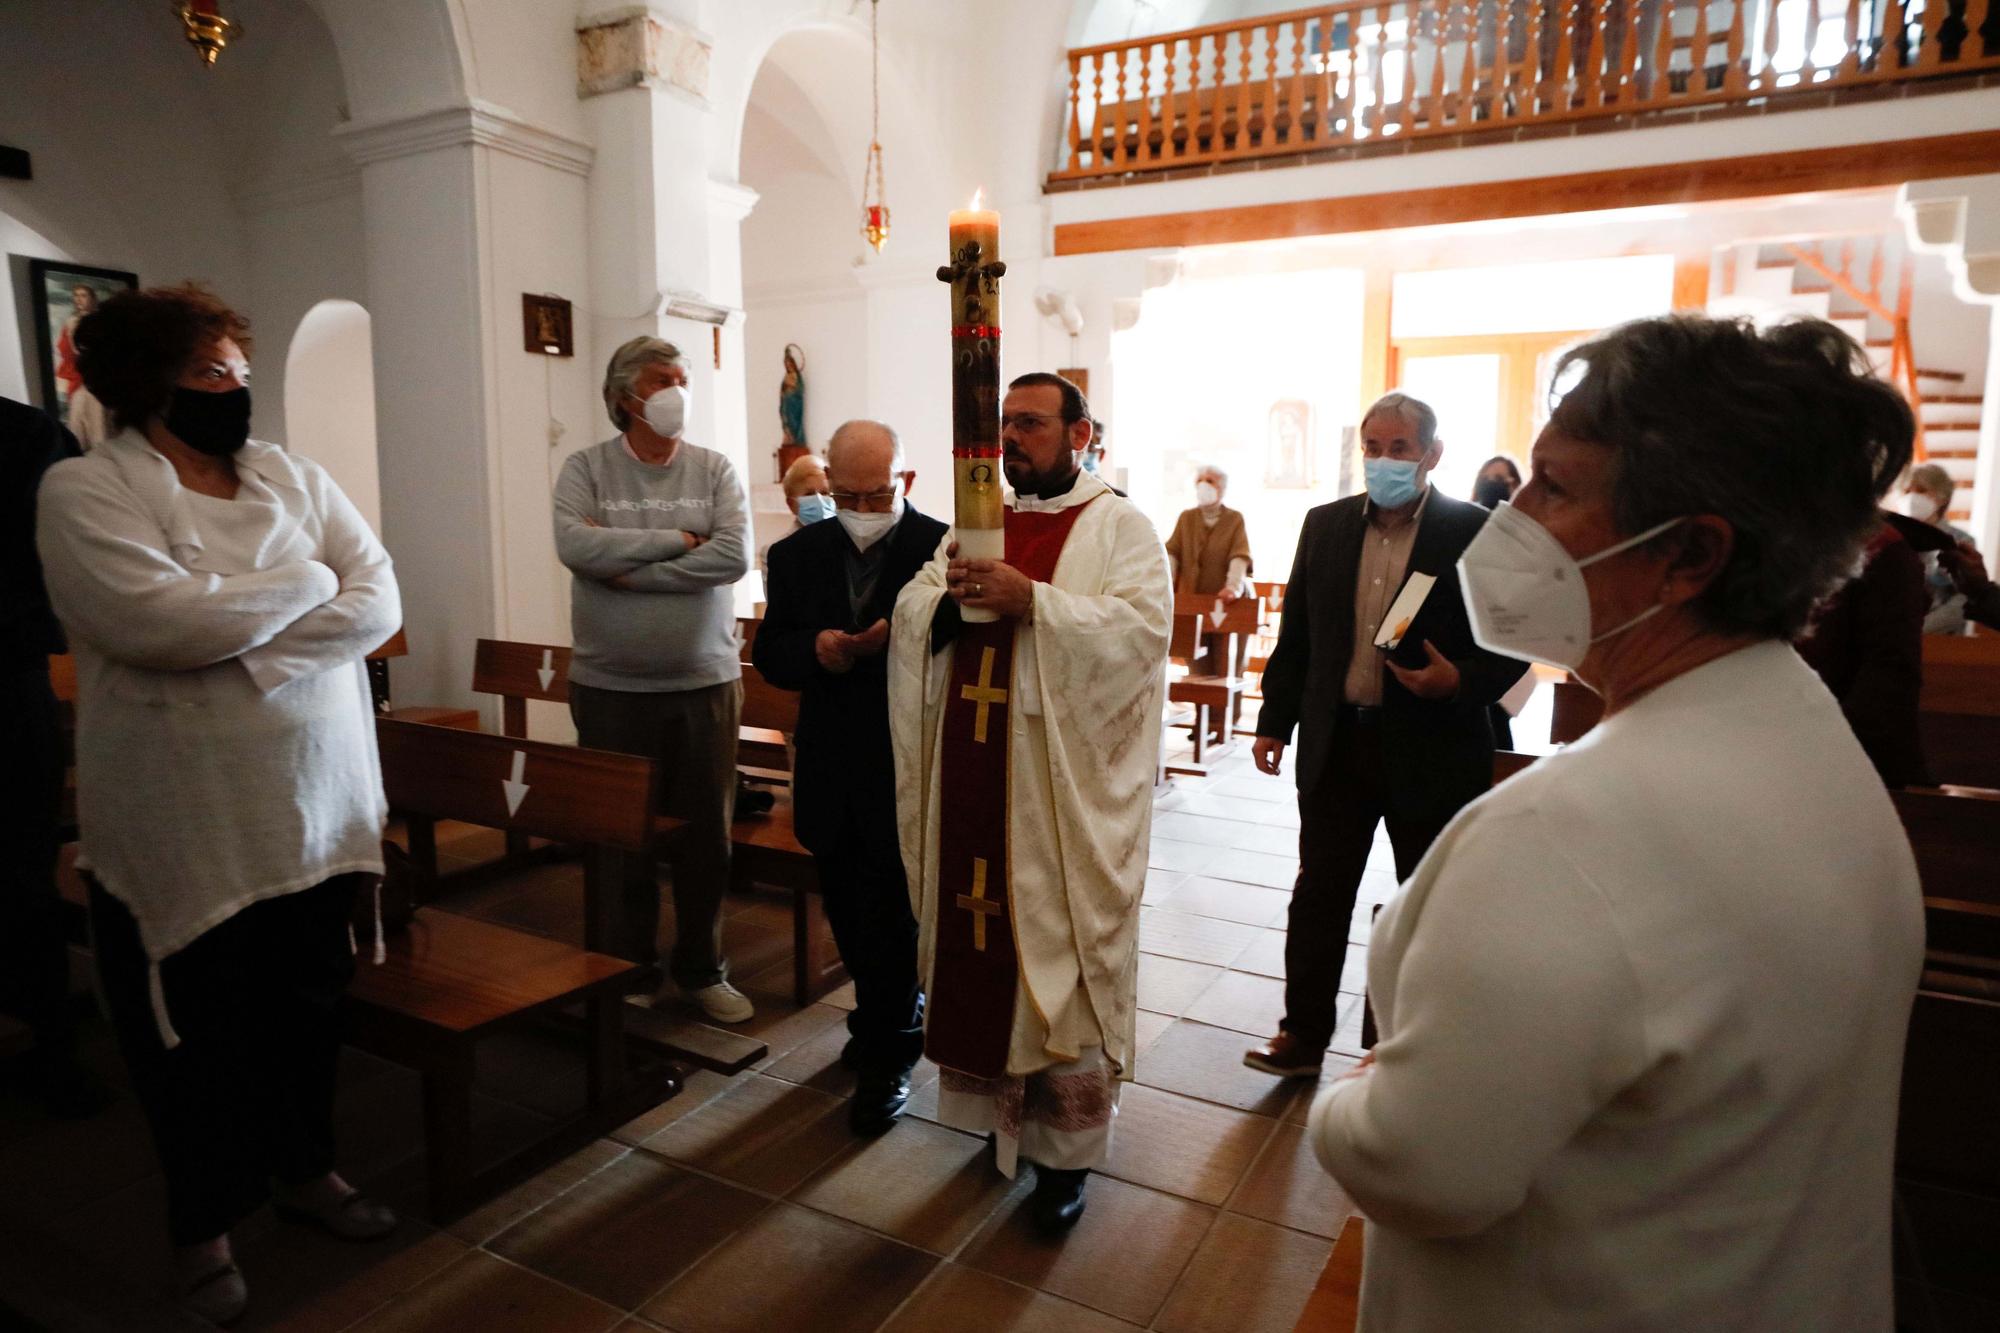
x: 1404, y: 610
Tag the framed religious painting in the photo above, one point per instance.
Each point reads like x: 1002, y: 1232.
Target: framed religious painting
x: 61, y: 294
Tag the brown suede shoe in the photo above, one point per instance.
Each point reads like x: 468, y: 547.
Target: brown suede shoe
x: 1287, y: 1057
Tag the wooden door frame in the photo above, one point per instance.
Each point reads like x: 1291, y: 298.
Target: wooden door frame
x: 1518, y: 353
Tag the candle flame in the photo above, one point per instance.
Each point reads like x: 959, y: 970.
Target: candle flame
x: 978, y: 200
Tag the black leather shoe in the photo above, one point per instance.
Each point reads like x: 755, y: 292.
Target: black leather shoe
x: 878, y: 1102
x: 1058, y: 1200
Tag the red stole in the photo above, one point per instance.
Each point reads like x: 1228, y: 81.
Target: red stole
x: 970, y: 1023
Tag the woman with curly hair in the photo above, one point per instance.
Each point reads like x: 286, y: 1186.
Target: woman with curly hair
x: 219, y: 594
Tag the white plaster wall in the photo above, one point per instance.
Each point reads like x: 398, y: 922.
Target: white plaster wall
x: 128, y: 176
x: 828, y: 329
x: 329, y: 383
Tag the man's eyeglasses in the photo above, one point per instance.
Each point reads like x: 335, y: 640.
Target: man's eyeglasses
x: 1026, y: 421
x: 875, y: 502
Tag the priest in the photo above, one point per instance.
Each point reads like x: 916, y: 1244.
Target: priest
x: 1026, y: 753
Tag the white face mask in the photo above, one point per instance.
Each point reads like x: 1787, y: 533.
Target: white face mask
x: 1526, y: 595
x: 1206, y: 495
x: 666, y: 411
x: 1917, y: 505
x: 864, y: 530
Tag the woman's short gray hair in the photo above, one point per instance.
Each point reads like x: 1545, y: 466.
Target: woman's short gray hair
x: 627, y: 364
x: 1415, y: 412
x: 1785, y: 432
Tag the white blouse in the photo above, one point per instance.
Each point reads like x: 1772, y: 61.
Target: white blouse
x: 225, y: 733
x: 1642, y: 1012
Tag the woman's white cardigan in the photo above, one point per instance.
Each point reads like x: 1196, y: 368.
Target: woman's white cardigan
x: 225, y: 734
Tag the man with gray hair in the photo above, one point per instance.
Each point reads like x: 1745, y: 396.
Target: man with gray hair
x: 830, y: 592
x: 1396, y: 733
x: 653, y: 528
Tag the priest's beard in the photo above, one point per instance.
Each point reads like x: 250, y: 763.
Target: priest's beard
x: 1025, y: 480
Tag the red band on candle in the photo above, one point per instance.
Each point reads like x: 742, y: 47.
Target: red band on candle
x: 975, y: 330
x: 975, y: 451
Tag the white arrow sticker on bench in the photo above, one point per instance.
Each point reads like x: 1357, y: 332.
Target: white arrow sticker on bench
x: 517, y: 790
x: 547, y: 671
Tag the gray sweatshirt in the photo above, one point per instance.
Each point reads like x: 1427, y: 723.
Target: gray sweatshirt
x: 673, y: 626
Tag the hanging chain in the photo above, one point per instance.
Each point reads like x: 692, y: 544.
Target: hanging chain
x: 874, y: 194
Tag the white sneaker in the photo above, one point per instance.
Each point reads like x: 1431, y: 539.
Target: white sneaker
x: 723, y: 1003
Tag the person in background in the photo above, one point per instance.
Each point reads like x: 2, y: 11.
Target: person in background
x: 1400, y: 737
x: 1209, y: 548
x: 653, y: 528
x: 34, y: 955
x: 1926, y: 497
x: 220, y: 595
x: 1866, y: 641
x: 805, y: 488
x: 1967, y: 569
x: 1498, y: 479
x: 1641, y: 1033
x: 826, y: 626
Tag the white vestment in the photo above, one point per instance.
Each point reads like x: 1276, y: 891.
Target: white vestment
x: 1087, y: 687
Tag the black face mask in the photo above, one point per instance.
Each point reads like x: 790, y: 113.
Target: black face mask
x: 215, y: 424
x: 1490, y: 491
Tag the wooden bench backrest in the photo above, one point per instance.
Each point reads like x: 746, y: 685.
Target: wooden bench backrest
x: 1576, y: 710
x: 573, y: 795
x: 746, y: 633
x: 518, y: 672
x: 396, y: 646
x: 1194, y: 618
x: 767, y: 706
x: 1956, y: 838
x: 1506, y: 763
x: 1962, y: 749
x: 1961, y: 675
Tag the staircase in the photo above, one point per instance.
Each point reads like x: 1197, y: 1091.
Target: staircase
x: 1863, y: 286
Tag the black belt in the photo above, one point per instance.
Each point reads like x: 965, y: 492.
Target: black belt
x: 1359, y: 715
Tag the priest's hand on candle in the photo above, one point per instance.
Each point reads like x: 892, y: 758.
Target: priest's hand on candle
x: 991, y: 585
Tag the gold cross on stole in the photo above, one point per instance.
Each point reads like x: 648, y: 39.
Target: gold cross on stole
x: 977, y: 902
x: 985, y: 696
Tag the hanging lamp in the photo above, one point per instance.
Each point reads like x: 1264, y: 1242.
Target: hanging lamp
x: 207, y: 31
x: 874, y: 202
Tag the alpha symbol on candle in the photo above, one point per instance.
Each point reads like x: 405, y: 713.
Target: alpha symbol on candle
x: 983, y: 694
x: 978, y: 903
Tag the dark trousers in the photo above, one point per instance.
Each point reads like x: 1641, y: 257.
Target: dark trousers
x: 247, y: 1095
x: 1337, y: 820
x: 868, y: 905
x: 34, y: 957
x: 692, y: 736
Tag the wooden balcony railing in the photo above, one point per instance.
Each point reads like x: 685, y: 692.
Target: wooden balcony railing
x: 1349, y: 73
x: 1890, y: 304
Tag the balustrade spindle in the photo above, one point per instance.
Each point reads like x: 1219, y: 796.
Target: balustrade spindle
x: 1219, y: 144
x: 1594, y: 60
x: 1381, y: 114
x: 1698, y: 53
x: 1301, y: 130
x: 1876, y: 259
x: 1850, y: 36
x: 1347, y: 92
x: 1198, y: 123
x: 1433, y: 100
x: 1625, y: 88
x: 1527, y: 100
x: 1075, y: 117
x: 1808, y: 69
x: 1407, y: 120
x: 1895, y: 37
x: 1769, y: 75
x: 1099, y: 129
x: 1121, y: 145
x: 1736, y: 76
x: 1561, y: 94
x: 1975, y: 31
x: 1142, y: 135
x: 1243, y: 93
x: 1468, y: 73
x: 1170, y: 117
x: 1659, y: 63
x: 1277, y: 94
x: 1929, y: 52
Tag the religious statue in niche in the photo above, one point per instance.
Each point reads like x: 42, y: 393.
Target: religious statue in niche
x: 1288, y: 462
x: 792, y: 408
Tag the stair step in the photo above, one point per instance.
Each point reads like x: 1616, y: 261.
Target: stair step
x: 1955, y: 399
x: 1954, y: 376
x: 1946, y: 455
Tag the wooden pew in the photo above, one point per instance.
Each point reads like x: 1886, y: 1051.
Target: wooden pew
x: 1950, y: 1107
x: 1961, y: 709
x: 377, y: 663
x: 518, y: 672
x: 1577, y: 708
x: 449, y: 981
x: 1217, y: 694
x: 769, y: 720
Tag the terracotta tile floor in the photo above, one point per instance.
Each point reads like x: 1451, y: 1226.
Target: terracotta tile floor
x: 744, y: 1203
